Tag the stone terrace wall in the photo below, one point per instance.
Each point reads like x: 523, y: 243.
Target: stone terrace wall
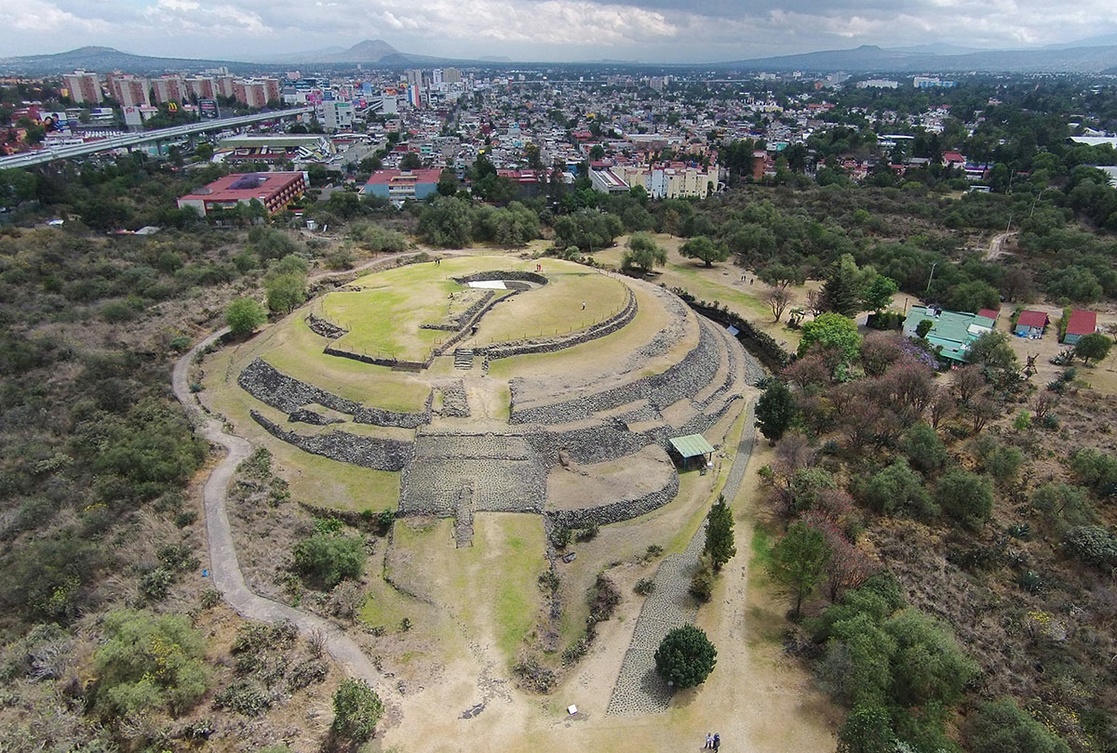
x: 682, y: 380
x: 368, y: 452
x: 271, y: 386
x: 464, y: 318
x: 499, y: 275
x: 617, y: 511
x: 320, y: 326
x: 455, y: 403
x: 595, y: 444
x: 553, y: 344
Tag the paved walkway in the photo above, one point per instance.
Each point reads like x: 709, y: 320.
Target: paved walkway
x: 639, y: 689
x: 224, y: 566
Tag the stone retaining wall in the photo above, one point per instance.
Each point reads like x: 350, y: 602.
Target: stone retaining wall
x: 463, y: 319
x: 596, y: 444
x: 681, y: 381
x: 553, y: 344
x: 367, y: 452
x: 617, y: 511
x: 271, y: 386
x: 497, y: 274
x: 326, y: 329
x: 455, y: 404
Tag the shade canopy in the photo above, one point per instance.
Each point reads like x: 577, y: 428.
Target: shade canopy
x: 691, y: 446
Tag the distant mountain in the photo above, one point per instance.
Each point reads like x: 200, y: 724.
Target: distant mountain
x: 869, y: 58
x: 106, y: 59
x: 1105, y: 40
x: 368, y: 51
x: 936, y: 48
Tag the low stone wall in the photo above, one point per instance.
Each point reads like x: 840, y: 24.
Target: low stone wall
x: 553, y: 344
x: 392, y: 363
x: 616, y: 512
x: 367, y: 452
x: 682, y: 380
x: 271, y: 386
x: 596, y: 444
x: 455, y: 404
x: 497, y: 274
x: 306, y: 416
x: 463, y: 319
x: 326, y: 329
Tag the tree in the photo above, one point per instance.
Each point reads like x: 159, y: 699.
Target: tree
x: 998, y: 362
x: 719, y: 534
x: 878, y: 294
x: 357, y: 709
x: 244, y: 315
x: 643, y: 253
x: 285, y: 292
x: 832, y: 330
x: 867, y: 729
x: 966, y: 497
x: 1094, y: 345
x: 775, y: 411
x: 708, y: 251
x: 410, y: 161
x: 897, y: 489
x: 777, y: 299
x: 798, y: 563
x: 841, y: 293
x: 685, y: 657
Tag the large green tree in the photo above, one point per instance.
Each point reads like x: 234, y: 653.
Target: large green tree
x: 719, y: 533
x: 832, y: 330
x: 798, y: 563
x: 643, y: 253
x: 775, y: 411
x: 705, y: 250
x: 685, y: 657
x: 1093, y: 346
x: 244, y: 315
x: 842, y: 291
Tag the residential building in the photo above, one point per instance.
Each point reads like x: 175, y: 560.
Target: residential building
x: 952, y: 332
x: 403, y: 185
x: 274, y: 190
x: 250, y: 92
x: 85, y: 88
x: 169, y: 89
x: 202, y: 87
x: 1031, y: 324
x: 337, y: 116
x: 128, y: 90
x: 671, y: 181
x: 1080, y: 323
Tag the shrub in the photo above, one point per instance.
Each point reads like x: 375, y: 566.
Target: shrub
x: 561, y: 537
x: 1093, y: 545
x: 702, y: 582
x: 357, y: 709
x: 603, y: 598
x: 589, y: 533
x: 244, y: 315
x: 326, y: 559
x: 685, y: 657
x: 923, y: 449
x: 243, y: 697
x: 644, y: 586
x: 897, y: 490
x: 965, y: 497
x: 1003, y: 727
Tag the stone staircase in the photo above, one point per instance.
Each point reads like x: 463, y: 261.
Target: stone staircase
x: 463, y: 358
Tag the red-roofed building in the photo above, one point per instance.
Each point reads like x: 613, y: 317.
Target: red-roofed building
x: 1078, y: 324
x: 989, y: 313
x: 402, y: 185
x: 274, y: 190
x: 953, y: 159
x: 1031, y: 324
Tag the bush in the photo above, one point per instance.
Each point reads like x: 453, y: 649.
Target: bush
x: 897, y: 490
x: 923, y: 449
x: 357, y: 709
x: 589, y: 533
x: 685, y: 657
x: 644, y: 586
x: 603, y: 598
x: 702, y: 582
x: 965, y: 497
x: 1003, y: 727
x: 326, y: 559
x: 244, y: 315
x: 1093, y: 545
x: 243, y: 697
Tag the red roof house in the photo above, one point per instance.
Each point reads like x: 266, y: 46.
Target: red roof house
x: 1031, y: 324
x: 274, y: 190
x: 1078, y: 324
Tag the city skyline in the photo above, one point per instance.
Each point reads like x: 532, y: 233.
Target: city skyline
x: 547, y: 30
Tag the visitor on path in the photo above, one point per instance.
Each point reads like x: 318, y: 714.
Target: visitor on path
x: 709, y: 741
x: 583, y: 305
x: 717, y: 741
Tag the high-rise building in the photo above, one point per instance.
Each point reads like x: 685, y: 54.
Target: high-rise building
x: 127, y: 89
x: 202, y: 87
x: 251, y: 92
x: 414, y: 86
x: 226, y: 85
x: 451, y: 76
x: 337, y: 115
x: 84, y: 87
x: 169, y: 89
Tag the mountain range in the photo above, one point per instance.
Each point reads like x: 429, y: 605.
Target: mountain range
x: 1092, y: 56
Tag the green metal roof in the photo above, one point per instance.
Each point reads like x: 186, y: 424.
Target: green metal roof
x: 692, y: 445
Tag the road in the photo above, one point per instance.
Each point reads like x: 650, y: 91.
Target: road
x: 224, y: 565
x: 996, y: 245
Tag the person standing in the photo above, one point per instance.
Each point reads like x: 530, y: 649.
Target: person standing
x: 709, y: 742
x: 717, y: 741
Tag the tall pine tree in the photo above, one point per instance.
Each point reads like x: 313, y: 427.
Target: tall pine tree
x: 719, y: 533
x: 841, y: 293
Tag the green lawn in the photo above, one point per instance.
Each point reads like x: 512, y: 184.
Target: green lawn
x: 556, y: 308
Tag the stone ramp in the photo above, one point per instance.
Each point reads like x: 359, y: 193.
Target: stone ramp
x: 502, y: 470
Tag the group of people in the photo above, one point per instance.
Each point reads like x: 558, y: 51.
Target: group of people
x: 713, y: 742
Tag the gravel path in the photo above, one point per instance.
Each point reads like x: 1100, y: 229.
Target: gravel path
x: 224, y: 567
x: 639, y: 690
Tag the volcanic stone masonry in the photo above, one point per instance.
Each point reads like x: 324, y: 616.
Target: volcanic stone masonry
x: 368, y: 452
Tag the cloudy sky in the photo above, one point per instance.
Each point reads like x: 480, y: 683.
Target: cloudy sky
x: 543, y: 30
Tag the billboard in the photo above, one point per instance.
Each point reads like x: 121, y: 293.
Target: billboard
x: 208, y: 109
